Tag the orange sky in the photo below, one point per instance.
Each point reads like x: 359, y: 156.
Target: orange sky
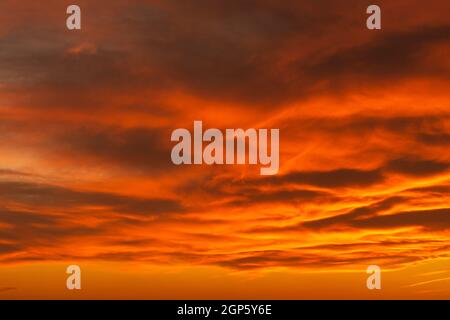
x: 86, y: 176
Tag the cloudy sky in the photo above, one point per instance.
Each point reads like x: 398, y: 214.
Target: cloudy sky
x: 86, y: 176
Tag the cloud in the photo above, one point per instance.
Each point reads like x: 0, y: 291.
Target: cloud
x: 222, y: 53
x: 417, y: 167
x: 393, y: 57
x: 34, y: 194
x: 305, y: 259
x: 14, y: 173
x: 85, y: 123
x: 435, y: 219
x: 329, y: 179
x: 140, y: 149
x: 371, y: 217
x: 439, y: 139
x: 355, y: 214
x: 255, y: 197
x: 33, y: 235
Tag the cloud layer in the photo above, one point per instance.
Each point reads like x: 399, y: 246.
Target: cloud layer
x: 86, y: 117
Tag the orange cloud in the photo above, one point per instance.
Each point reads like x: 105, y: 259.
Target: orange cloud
x: 364, y: 118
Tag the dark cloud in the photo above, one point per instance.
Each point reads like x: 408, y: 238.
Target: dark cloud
x: 36, y: 232
x: 30, y: 231
x: 435, y: 219
x: 34, y: 194
x: 390, y: 57
x: 257, y: 196
x: 39, y: 58
x: 140, y: 149
x: 9, y: 248
x: 329, y: 179
x: 354, y: 214
x: 299, y: 258
x: 248, y: 192
x: 441, y: 190
x: 15, y: 217
x: 417, y: 167
x: 375, y: 244
x: 149, y: 256
x: 425, y: 129
x: 339, y: 221
x: 435, y: 139
x: 371, y: 217
x: 228, y: 51
x: 14, y: 173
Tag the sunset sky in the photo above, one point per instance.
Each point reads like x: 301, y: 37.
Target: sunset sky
x: 86, y: 176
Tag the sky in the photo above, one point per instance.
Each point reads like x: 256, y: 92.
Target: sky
x: 86, y: 176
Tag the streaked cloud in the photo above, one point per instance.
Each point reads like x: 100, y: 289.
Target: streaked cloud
x: 85, y: 123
